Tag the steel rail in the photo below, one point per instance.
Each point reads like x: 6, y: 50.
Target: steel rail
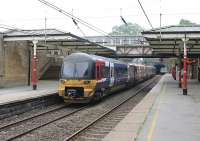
x: 35, y: 128
x: 105, y: 114
x: 31, y: 117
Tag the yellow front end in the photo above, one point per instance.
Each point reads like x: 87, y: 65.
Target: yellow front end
x: 87, y: 85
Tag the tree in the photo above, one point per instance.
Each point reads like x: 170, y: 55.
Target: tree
x: 185, y: 22
x: 127, y: 29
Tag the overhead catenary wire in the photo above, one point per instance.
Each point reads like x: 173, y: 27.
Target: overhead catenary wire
x: 90, y: 26
x: 76, y: 24
x: 7, y: 27
x: 3, y: 26
x: 32, y: 33
x: 101, y: 17
x: 18, y: 29
x: 145, y: 14
x: 74, y: 21
x: 124, y: 21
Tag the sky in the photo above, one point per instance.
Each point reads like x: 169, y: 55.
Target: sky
x: 104, y: 14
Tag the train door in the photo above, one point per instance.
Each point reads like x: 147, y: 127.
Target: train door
x: 135, y: 74
x: 112, y: 79
x: 198, y: 73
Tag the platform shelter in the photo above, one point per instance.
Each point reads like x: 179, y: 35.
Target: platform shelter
x: 181, y: 42
x: 25, y: 55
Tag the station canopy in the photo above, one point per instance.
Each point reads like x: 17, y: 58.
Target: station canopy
x: 53, y: 39
x: 168, y: 41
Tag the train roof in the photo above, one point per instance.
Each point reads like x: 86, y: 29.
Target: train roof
x: 140, y: 65
x: 136, y: 64
x: 85, y: 56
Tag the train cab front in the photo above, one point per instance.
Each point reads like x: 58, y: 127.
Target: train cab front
x: 77, y: 83
x: 76, y: 91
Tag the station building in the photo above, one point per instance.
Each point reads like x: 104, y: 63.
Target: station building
x: 16, y: 53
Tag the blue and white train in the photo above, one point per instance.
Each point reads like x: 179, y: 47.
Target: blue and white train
x: 85, y: 78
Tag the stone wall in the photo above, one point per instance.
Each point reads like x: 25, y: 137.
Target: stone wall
x: 14, y: 64
x: 2, y: 52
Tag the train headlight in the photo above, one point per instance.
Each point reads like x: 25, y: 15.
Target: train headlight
x: 86, y: 82
x: 63, y: 81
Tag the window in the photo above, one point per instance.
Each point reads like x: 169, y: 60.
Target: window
x: 121, y: 72
x: 75, y: 70
x: 105, y: 71
x: 97, y: 72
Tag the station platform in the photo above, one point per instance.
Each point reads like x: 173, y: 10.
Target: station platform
x: 20, y: 93
x: 163, y: 115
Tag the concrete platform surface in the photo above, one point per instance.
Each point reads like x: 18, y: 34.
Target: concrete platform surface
x: 45, y: 87
x: 163, y: 115
x: 174, y: 117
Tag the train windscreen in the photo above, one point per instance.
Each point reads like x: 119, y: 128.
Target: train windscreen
x: 76, y: 70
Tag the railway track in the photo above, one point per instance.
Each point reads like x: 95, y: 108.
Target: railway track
x: 101, y: 126
x: 19, y: 124
x: 20, y: 107
x: 31, y: 117
x: 75, y: 121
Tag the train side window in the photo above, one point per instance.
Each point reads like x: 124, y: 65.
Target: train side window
x: 116, y: 72
x: 98, y: 72
x: 104, y: 71
x: 112, y: 72
x: 125, y: 72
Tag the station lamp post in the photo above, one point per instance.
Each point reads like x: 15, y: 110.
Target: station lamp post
x: 185, y: 66
x: 34, y: 65
x: 180, y: 68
